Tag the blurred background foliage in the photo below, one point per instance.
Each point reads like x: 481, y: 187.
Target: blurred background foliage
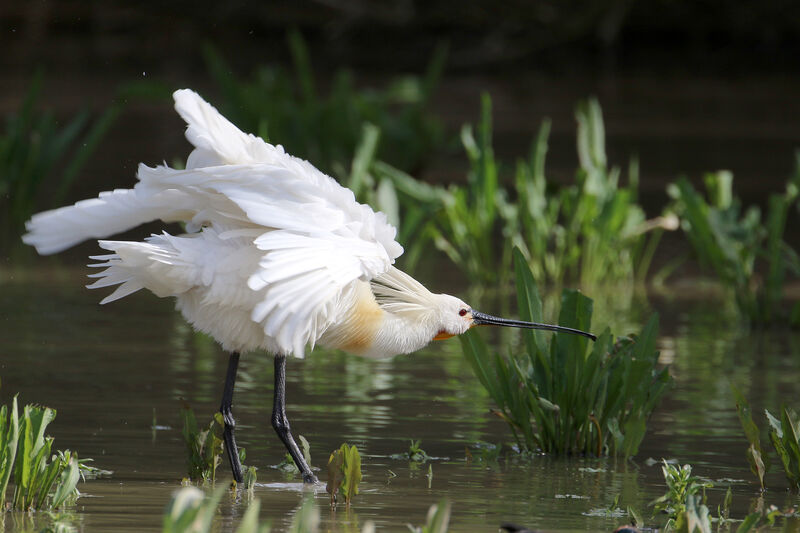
x: 474, y: 129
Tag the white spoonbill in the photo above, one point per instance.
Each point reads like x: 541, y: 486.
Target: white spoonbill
x: 277, y: 256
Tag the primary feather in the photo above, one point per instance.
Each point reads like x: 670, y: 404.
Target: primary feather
x: 275, y: 251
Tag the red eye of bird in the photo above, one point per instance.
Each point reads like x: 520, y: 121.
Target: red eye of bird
x: 462, y: 312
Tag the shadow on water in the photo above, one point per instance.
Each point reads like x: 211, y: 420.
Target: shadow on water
x: 109, y: 370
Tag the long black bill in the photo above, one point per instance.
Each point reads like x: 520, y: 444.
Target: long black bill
x: 482, y: 319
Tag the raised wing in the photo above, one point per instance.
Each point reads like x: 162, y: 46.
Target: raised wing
x: 314, y: 239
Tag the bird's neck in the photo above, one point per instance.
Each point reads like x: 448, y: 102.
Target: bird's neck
x: 367, y: 329
x: 400, y: 334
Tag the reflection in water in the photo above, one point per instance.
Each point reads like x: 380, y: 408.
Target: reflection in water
x: 106, y: 368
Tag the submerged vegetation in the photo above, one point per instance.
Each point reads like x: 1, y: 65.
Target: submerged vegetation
x: 565, y: 395
x: 592, y: 232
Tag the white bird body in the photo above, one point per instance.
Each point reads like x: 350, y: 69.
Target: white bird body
x: 277, y: 255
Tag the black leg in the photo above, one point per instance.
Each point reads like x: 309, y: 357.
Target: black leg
x: 230, y: 423
x: 281, y: 423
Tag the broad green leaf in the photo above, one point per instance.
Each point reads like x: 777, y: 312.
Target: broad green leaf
x: 757, y: 463
x: 749, y: 523
x: 67, y: 484
x: 365, y: 154
x: 530, y: 308
x: 477, y: 354
x: 352, y: 472
x: 387, y: 202
x: 634, y: 433
x: 645, y: 346
x: 751, y: 431
x: 9, y: 438
x: 335, y: 473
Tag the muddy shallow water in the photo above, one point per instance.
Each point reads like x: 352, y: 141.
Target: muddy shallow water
x: 111, y: 371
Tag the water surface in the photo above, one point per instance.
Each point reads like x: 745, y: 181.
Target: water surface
x: 110, y: 371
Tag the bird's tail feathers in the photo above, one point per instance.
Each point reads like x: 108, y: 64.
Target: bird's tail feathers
x: 140, y: 265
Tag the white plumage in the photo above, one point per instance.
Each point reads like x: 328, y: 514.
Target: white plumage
x: 274, y: 249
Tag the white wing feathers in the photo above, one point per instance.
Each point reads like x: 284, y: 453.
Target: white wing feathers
x: 216, y: 140
x: 111, y: 212
x: 270, y: 235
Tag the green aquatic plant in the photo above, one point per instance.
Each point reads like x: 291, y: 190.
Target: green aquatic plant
x: 683, y: 489
x: 36, y: 147
x: 344, y: 473
x: 469, y: 220
x: 741, y: 246
x: 250, y: 477
x: 686, y: 508
x: 784, y: 434
x: 565, y: 396
x: 287, y: 465
x: 9, y: 437
x: 42, y: 479
x: 415, y: 453
x: 694, y: 517
x: 411, y: 204
x: 756, y: 457
x: 483, y: 452
x: 591, y: 231
x: 204, y: 448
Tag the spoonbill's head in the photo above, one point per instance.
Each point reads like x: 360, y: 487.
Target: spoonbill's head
x: 456, y: 317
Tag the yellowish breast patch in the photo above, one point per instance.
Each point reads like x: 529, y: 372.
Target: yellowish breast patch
x: 362, y: 323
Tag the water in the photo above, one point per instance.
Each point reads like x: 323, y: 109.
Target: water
x: 112, y: 371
